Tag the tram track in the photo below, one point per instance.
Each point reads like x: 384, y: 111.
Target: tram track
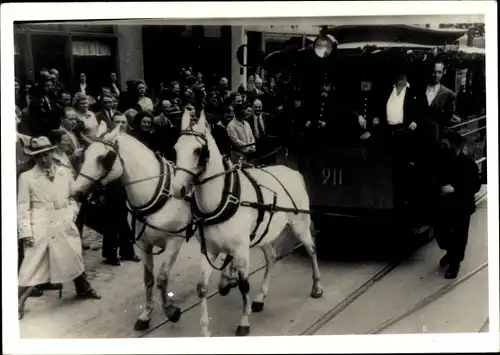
x: 215, y: 293
x: 427, y: 301
x: 352, y: 297
x: 330, y: 314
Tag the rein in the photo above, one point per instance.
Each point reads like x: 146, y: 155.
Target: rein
x: 160, y: 197
x: 230, y: 201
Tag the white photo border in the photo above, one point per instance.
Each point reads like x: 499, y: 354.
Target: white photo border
x: 379, y: 12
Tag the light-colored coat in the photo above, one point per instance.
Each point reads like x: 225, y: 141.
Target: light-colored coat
x: 56, y: 256
x: 240, y: 133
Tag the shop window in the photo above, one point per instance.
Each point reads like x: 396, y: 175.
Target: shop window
x: 58, y: 27
x: 94, y: 57
x: 50, y: 51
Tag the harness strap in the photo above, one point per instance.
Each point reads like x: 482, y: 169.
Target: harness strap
x: 260, y: 201
x: 162, y: 191
x: 141, y: 233
x: 229, y: 202
x: 272, y: 211
x: 203, y: 244
x: 296, y: 210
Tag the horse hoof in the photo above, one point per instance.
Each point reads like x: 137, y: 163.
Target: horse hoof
x: 20, y: 315
x: 316, y: 293
x: 257, y: 307
x: 173, y: 313
x: 242, y: 330
x: 141, y: 325
x: 224, y: 291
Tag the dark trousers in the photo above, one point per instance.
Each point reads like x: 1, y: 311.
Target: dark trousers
x: 82, y: 286
x: 452, y: 234
x: 401, y: 157
x: 81, y: 283
x: 118, y: 236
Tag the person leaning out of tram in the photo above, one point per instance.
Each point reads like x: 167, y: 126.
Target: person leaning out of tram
x: 458, y: 181
x: 397, y: 120
x: 398, y: 114
x: 53, y: 250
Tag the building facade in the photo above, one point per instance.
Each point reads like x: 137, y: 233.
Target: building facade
x: 153, y: 52
x: 96, y: 50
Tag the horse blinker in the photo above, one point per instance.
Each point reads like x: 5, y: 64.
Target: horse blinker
x: 108, y: 160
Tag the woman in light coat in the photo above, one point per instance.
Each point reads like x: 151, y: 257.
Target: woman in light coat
x: 46, y: 216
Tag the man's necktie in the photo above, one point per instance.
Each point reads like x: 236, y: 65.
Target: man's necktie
x: 50, y: 174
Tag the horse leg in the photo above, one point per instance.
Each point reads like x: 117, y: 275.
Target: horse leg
x: 142, y: 322
x: 202, y: 291
x: 258, y: 303
x: 242, y: 264
x: 227, y: 280
x: 302, y: 231
x: 172, y: 249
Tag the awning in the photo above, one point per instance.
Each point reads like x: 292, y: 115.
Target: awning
x: 361, y: 45
x: 472, y: 50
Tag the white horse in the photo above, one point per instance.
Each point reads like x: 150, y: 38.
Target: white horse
x: 162, y: 221
x: 227, y: 208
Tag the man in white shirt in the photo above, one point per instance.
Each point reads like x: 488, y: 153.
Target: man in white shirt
x: 240, y: 132
x: 399, y: 115
x: 400, y: 108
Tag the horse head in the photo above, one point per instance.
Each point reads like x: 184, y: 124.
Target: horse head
x: 101, y: 162
x: 193, y: 149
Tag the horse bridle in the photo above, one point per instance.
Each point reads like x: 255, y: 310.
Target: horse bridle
x: 105, y: 161
x: 204, y: 155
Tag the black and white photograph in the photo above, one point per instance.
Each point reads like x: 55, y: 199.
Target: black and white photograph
x: 247, y: 170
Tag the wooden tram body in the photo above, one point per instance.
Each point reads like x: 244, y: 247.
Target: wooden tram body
x: 353, y: 181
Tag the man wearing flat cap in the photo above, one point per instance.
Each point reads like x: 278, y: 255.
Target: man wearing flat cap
x: 46, y: 216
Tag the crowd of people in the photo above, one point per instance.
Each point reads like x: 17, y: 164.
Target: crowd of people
x: 56, y: 123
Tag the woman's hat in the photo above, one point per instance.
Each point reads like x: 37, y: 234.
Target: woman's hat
x: 38, y: 145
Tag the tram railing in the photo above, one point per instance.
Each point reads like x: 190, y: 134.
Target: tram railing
x: 474, y: 131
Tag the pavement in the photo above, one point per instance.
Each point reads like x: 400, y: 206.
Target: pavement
x: 288, y: 310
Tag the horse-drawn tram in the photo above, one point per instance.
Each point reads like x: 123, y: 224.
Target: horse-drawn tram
x: 333, y: 170
x: 352, y: 171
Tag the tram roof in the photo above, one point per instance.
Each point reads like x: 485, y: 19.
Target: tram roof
x: 397, y: 33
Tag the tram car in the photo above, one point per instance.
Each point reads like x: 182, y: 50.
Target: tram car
x: 350, y: 179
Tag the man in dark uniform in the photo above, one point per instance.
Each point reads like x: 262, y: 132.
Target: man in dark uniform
x: 458, y: 180
x: 362, y: 105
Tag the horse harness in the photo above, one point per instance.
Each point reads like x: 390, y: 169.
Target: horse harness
x: 158, y: 200
x: 230, y: 201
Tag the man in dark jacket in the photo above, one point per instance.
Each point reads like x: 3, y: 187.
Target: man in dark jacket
x: 219, y: 131
x: 43, y: 114
x: 458, y: 180
x: 441, y: 104
x: 117, y: 237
